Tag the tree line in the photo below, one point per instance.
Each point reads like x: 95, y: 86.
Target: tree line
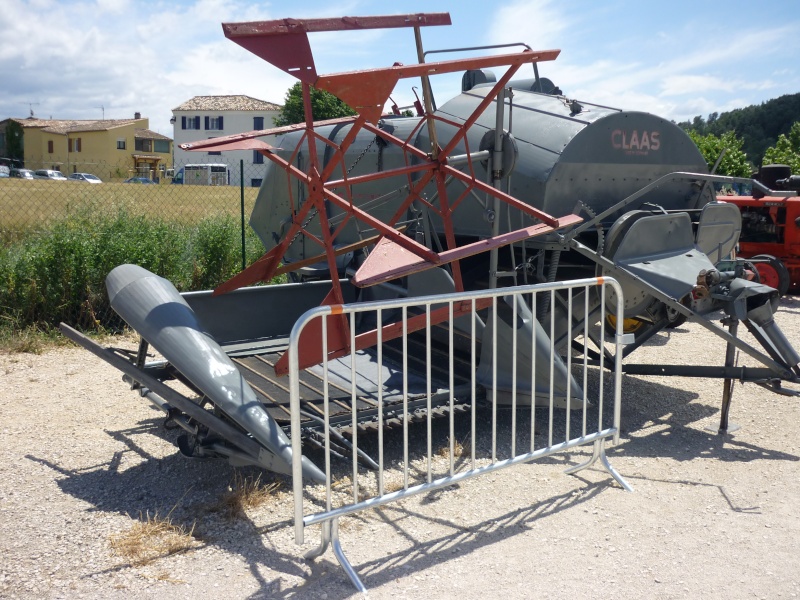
x: 756, y: 135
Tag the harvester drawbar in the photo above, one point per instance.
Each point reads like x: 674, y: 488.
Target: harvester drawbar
x: 509, y: 183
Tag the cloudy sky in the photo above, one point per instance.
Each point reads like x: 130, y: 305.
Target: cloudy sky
x: 76, y: 59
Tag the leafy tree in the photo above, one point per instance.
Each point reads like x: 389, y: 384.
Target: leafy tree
x: 758, y: 125
x: 786, y: 150
x: 324, y: 105
x: 734, y: 163
x: 14, y: 138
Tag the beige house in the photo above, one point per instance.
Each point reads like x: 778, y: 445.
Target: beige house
x: 108, y: 148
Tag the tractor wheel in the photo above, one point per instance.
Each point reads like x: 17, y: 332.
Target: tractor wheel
x: 772, y: 272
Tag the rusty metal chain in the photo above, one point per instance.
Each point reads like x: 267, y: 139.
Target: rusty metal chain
x: 313, y: 212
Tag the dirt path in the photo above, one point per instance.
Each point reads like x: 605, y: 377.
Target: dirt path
x: 82, y: 459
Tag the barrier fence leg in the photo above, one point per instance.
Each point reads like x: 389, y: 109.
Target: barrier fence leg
x: 330, y: 535
x: 599, y: 452
x: 323, y: 543
x: 337, y: 550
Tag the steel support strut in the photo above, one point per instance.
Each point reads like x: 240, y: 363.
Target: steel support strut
x: 727, y: 389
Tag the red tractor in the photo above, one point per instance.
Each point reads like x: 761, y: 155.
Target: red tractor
x: 771, y: 228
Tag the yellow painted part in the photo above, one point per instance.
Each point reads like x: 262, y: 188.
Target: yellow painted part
x: 628, y: 325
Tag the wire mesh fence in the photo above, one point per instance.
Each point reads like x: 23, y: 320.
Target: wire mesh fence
x: 60, y: 237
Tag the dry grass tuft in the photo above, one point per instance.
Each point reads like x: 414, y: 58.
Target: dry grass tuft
x: 394, y: 485
x: 246, y: 493
x: 153, y: 538
x: 458, y: 449
x: 164, y: 576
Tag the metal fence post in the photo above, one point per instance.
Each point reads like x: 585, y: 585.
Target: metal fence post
x: 241, y: 196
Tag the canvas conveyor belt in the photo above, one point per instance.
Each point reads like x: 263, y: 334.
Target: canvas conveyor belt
x: 258, y: 370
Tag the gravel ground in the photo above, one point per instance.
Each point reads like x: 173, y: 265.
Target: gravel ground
x: 83, y: 460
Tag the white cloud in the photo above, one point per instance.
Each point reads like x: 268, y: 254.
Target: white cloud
x: 538, y: 23
x: 678, y: 85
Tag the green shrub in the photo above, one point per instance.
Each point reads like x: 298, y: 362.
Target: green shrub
x: 58, y: 274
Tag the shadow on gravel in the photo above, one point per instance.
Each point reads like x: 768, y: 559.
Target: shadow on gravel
x: 423, y: 552
x: 188, y: 490
x: 657, y: 421
x: 662, y: 421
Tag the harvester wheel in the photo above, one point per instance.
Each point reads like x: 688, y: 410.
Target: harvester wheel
x: 675, y: 318
x: 772, y: 272
x: 628, y: 325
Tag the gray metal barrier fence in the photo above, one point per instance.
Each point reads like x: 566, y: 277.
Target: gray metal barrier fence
x: 402, y: 393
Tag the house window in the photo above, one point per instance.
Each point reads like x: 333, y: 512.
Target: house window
x: 143, y: 145
x: 190, y: 122
x: 121, y: 144
x: 258, y: 122
x: 213, y: 123
x: 161, y: 146
x: 255, y: 182
x: 213, y: 153
x: 258, y: 158
x: 74, y: 145
x: 50, y: 146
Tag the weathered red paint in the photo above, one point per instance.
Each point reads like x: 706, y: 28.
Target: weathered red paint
x: 783, y: 238
x: 284, y: 43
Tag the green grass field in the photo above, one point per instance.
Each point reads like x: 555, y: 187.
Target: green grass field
x: 30, y: 204
x: 59, y: 239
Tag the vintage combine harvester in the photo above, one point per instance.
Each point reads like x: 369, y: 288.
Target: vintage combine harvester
x: 510, y: 182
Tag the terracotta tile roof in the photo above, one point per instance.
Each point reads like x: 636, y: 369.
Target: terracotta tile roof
x: 62, y: 126
x: 146, y: 134
x: 226, y: 103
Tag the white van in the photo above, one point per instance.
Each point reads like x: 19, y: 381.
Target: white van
x: 203, y: 174
x: 49, y: 174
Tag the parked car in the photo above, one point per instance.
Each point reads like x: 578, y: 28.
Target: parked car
x: 49, y: 174
x: 138, y: 180
x: 22, y: 173
x: 87, y: 177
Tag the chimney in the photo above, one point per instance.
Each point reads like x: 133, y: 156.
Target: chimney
x: 137, y: 115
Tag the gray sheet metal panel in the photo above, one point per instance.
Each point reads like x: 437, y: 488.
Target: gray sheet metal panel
x: 542, y: 127
x: 366, y: 156
x: 619, y: 154
x: 599, y: 155
x: 270, y: 216
x: 660, y: 250
x: 531, y: 387
x: 271, y: 211
x: 718, y: 230
x: 258, y: 312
